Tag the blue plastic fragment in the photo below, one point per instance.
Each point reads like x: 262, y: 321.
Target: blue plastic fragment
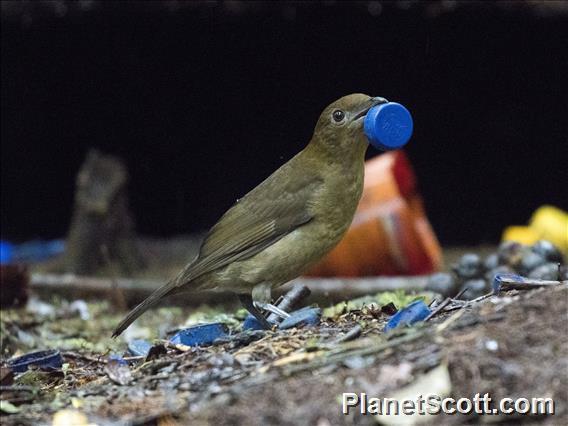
x: 251, y: 323
x: 31, y: 251
x: 115, y: 358
x: 307, y: 316
x: 498, y: 280
x: 388, y: 126
x: 139, y: 347
x: 6, y: 249
x: 410, y: 314
x: 38, y: 250
x: 200, y: 335
x: 42, y: 359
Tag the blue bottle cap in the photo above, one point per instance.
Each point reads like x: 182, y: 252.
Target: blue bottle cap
x: 388, y: 126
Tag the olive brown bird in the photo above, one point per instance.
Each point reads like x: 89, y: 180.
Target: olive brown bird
x: 288, y: 222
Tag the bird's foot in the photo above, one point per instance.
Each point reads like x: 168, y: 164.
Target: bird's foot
x: 248, y: 304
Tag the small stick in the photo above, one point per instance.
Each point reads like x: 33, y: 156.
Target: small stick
x: 438, y: 308
x: 461, y: 293
x: 137, y: 288
x: 84, y: 357
x: 350, y: 335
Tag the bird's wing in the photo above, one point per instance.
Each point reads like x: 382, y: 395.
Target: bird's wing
x: 280, y: 204
x: 259, y: 219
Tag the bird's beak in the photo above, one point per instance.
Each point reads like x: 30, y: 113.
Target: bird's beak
x: 377, y: 100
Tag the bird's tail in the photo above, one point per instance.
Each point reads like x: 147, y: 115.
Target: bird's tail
x: 144, y: 306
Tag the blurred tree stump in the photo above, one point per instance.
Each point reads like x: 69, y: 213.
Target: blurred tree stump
x: 102, y: 228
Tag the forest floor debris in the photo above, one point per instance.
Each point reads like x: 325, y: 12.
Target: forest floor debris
x: 513, y: 344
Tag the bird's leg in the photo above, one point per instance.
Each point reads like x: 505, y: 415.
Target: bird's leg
x: 246, y: 301
x: 273, y: 308
x: 261, y: 296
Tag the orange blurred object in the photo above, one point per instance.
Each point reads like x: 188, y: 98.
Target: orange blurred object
x: 390, y: 234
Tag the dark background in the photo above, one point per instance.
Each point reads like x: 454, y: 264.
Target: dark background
x: 203, y: 101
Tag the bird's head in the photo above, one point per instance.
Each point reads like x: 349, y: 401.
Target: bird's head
x: 340, y: 125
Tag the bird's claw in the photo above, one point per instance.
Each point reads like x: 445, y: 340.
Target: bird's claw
x: 274, y: 309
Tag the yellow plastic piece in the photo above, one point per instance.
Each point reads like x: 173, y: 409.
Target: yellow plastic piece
x: 520, y: 234
x: 551, y: 224
x: 547, y: 223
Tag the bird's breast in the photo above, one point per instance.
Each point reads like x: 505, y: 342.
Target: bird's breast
x: 339, y: 198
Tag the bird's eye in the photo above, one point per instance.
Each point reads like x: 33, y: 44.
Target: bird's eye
x: 338, y: 115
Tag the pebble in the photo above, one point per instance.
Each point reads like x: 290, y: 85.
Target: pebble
x: 469, y: 266
x: 530, y: 261
x: 564, y: 272
x: 510, y: 253
x: 548, y: 271
x: 443, y: 283
x: 491, y: 262
x: 548, y: 251
x: 476, y: 288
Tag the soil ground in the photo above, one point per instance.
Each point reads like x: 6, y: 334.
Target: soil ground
x: 512, y: 345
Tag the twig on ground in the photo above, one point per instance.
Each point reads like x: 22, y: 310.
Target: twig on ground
x: 438, y: 309
x: 350, y: 335
x: 84, y: 357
